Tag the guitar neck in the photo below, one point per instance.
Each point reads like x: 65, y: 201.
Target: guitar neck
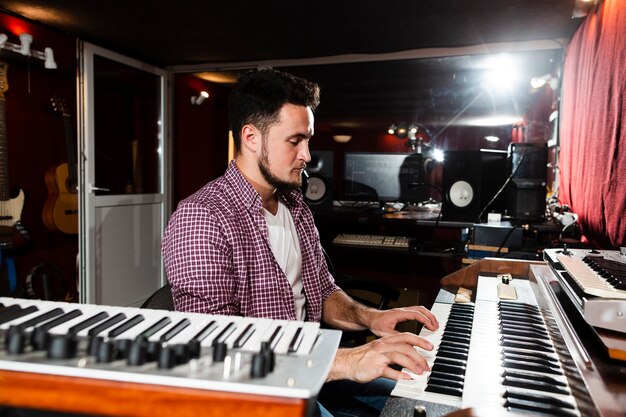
x: 4, y: 151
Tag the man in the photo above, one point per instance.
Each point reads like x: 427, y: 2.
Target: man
x: 246, y: 243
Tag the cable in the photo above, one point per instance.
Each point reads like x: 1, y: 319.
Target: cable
x: 508, y: 180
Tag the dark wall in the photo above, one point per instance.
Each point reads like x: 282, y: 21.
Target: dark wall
x: 36, y: 142
x: 200, y: 135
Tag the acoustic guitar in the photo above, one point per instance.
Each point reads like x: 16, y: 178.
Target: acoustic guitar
x: 12, y: 232
x: 60, y: 211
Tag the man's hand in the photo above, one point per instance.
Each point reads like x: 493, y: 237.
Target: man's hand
x: 370, y: 361
x: 383, y: 322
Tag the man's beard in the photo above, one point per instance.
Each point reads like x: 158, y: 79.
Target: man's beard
x: 271, y: 179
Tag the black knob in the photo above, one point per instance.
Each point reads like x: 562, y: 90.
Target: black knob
x: 93, y: 345
x: 106, y: 351
x: 167, y: 358
x: 62, y: 346
x: 122, y: 347
x: 40, y: 338
x: 270, y: 359
x: 219, y: 351
x: 194, y: 349
x: 15, y: 340
x: 138, y: 352
x: 183, y: 353
x: 258, y: 368
x: 419, y: 411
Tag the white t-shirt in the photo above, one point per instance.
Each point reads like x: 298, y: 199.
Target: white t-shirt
x: 286, y: 249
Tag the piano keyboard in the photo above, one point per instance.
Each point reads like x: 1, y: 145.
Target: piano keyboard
x: 507, y: 359
x: 596, y: 275
x: 223, y: 353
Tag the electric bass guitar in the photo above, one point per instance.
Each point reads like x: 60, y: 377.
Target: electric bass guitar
x: 12, y: 232
x: 60, y: 211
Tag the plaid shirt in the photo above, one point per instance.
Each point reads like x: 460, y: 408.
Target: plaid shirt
x: 219, y: 260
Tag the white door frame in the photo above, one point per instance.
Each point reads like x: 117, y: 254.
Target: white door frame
x: 91, y: 277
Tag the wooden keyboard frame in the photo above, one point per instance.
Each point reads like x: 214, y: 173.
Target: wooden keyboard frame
x: 114, y: 398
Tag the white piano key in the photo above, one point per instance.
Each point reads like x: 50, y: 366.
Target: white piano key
x: 311, y: 332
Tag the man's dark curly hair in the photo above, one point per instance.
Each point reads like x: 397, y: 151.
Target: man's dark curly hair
x: 260, y: 94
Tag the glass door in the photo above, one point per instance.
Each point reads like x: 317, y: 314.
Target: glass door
x: 122, y: 181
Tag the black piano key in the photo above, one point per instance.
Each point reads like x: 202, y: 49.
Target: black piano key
x: 444, y: 389
x: 274, y: 336
x: 514, y: 404
x: 435, y: 380
x: 109, y: 323
x: 88, y: 322
x: 244, y: 336
x: 464, y: 350
x: 524, y: 326
x: 528, y: 366
x: 517, y: 305
x: 546, y: 399
x: 534, y: 377
x: 41, y: 318
x: 296, y: 340
x: 446, y: 338
x: 533, y: 340
x: 452, y: 355
x: 526, y: 345
x: 178, y: 327
x: 531, y: 333
x: 128, y: 324
x: 533, y: 385
x: 448, y: 361
x: 204, y: 332
x: 155, y: 328
x: 448, y: 368
x: 447, y: 376
x: 534, y: 357
x: 463, y: 317
x: 16, y: 313
x: 458, y: 329
x: 4, y: 310
x: 523, y: 318
x: 226, y: 331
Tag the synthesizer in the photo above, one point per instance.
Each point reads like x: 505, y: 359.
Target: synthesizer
x: 595, y: 280
x: 204, y: 353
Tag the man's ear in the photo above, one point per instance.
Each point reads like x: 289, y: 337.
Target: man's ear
x: 250, y: 138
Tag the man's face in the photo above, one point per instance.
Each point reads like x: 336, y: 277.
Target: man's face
x: 285, y: 149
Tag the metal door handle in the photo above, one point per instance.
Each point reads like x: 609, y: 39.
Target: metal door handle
x: 93, y: 188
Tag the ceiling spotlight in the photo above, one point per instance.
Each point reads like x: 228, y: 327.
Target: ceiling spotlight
x: 392, y: 129
x: 342, y: 138
x: 49, y: 62
x: 26, y: 40
x: 401, y: 131
x: 197, y: 100
x: 491, y: 138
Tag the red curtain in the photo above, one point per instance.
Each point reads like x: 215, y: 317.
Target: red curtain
x: 593, y: 129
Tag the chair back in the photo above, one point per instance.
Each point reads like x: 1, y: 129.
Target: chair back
x: 161, y: 299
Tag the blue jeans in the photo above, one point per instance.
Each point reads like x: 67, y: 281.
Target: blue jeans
x: 348, y: 398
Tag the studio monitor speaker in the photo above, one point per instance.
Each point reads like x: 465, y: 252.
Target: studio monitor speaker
x: 526, y: 194
x: 471, y: 179
x: 318, y: 190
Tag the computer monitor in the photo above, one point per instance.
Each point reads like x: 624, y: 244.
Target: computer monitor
x: 383, y: 177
